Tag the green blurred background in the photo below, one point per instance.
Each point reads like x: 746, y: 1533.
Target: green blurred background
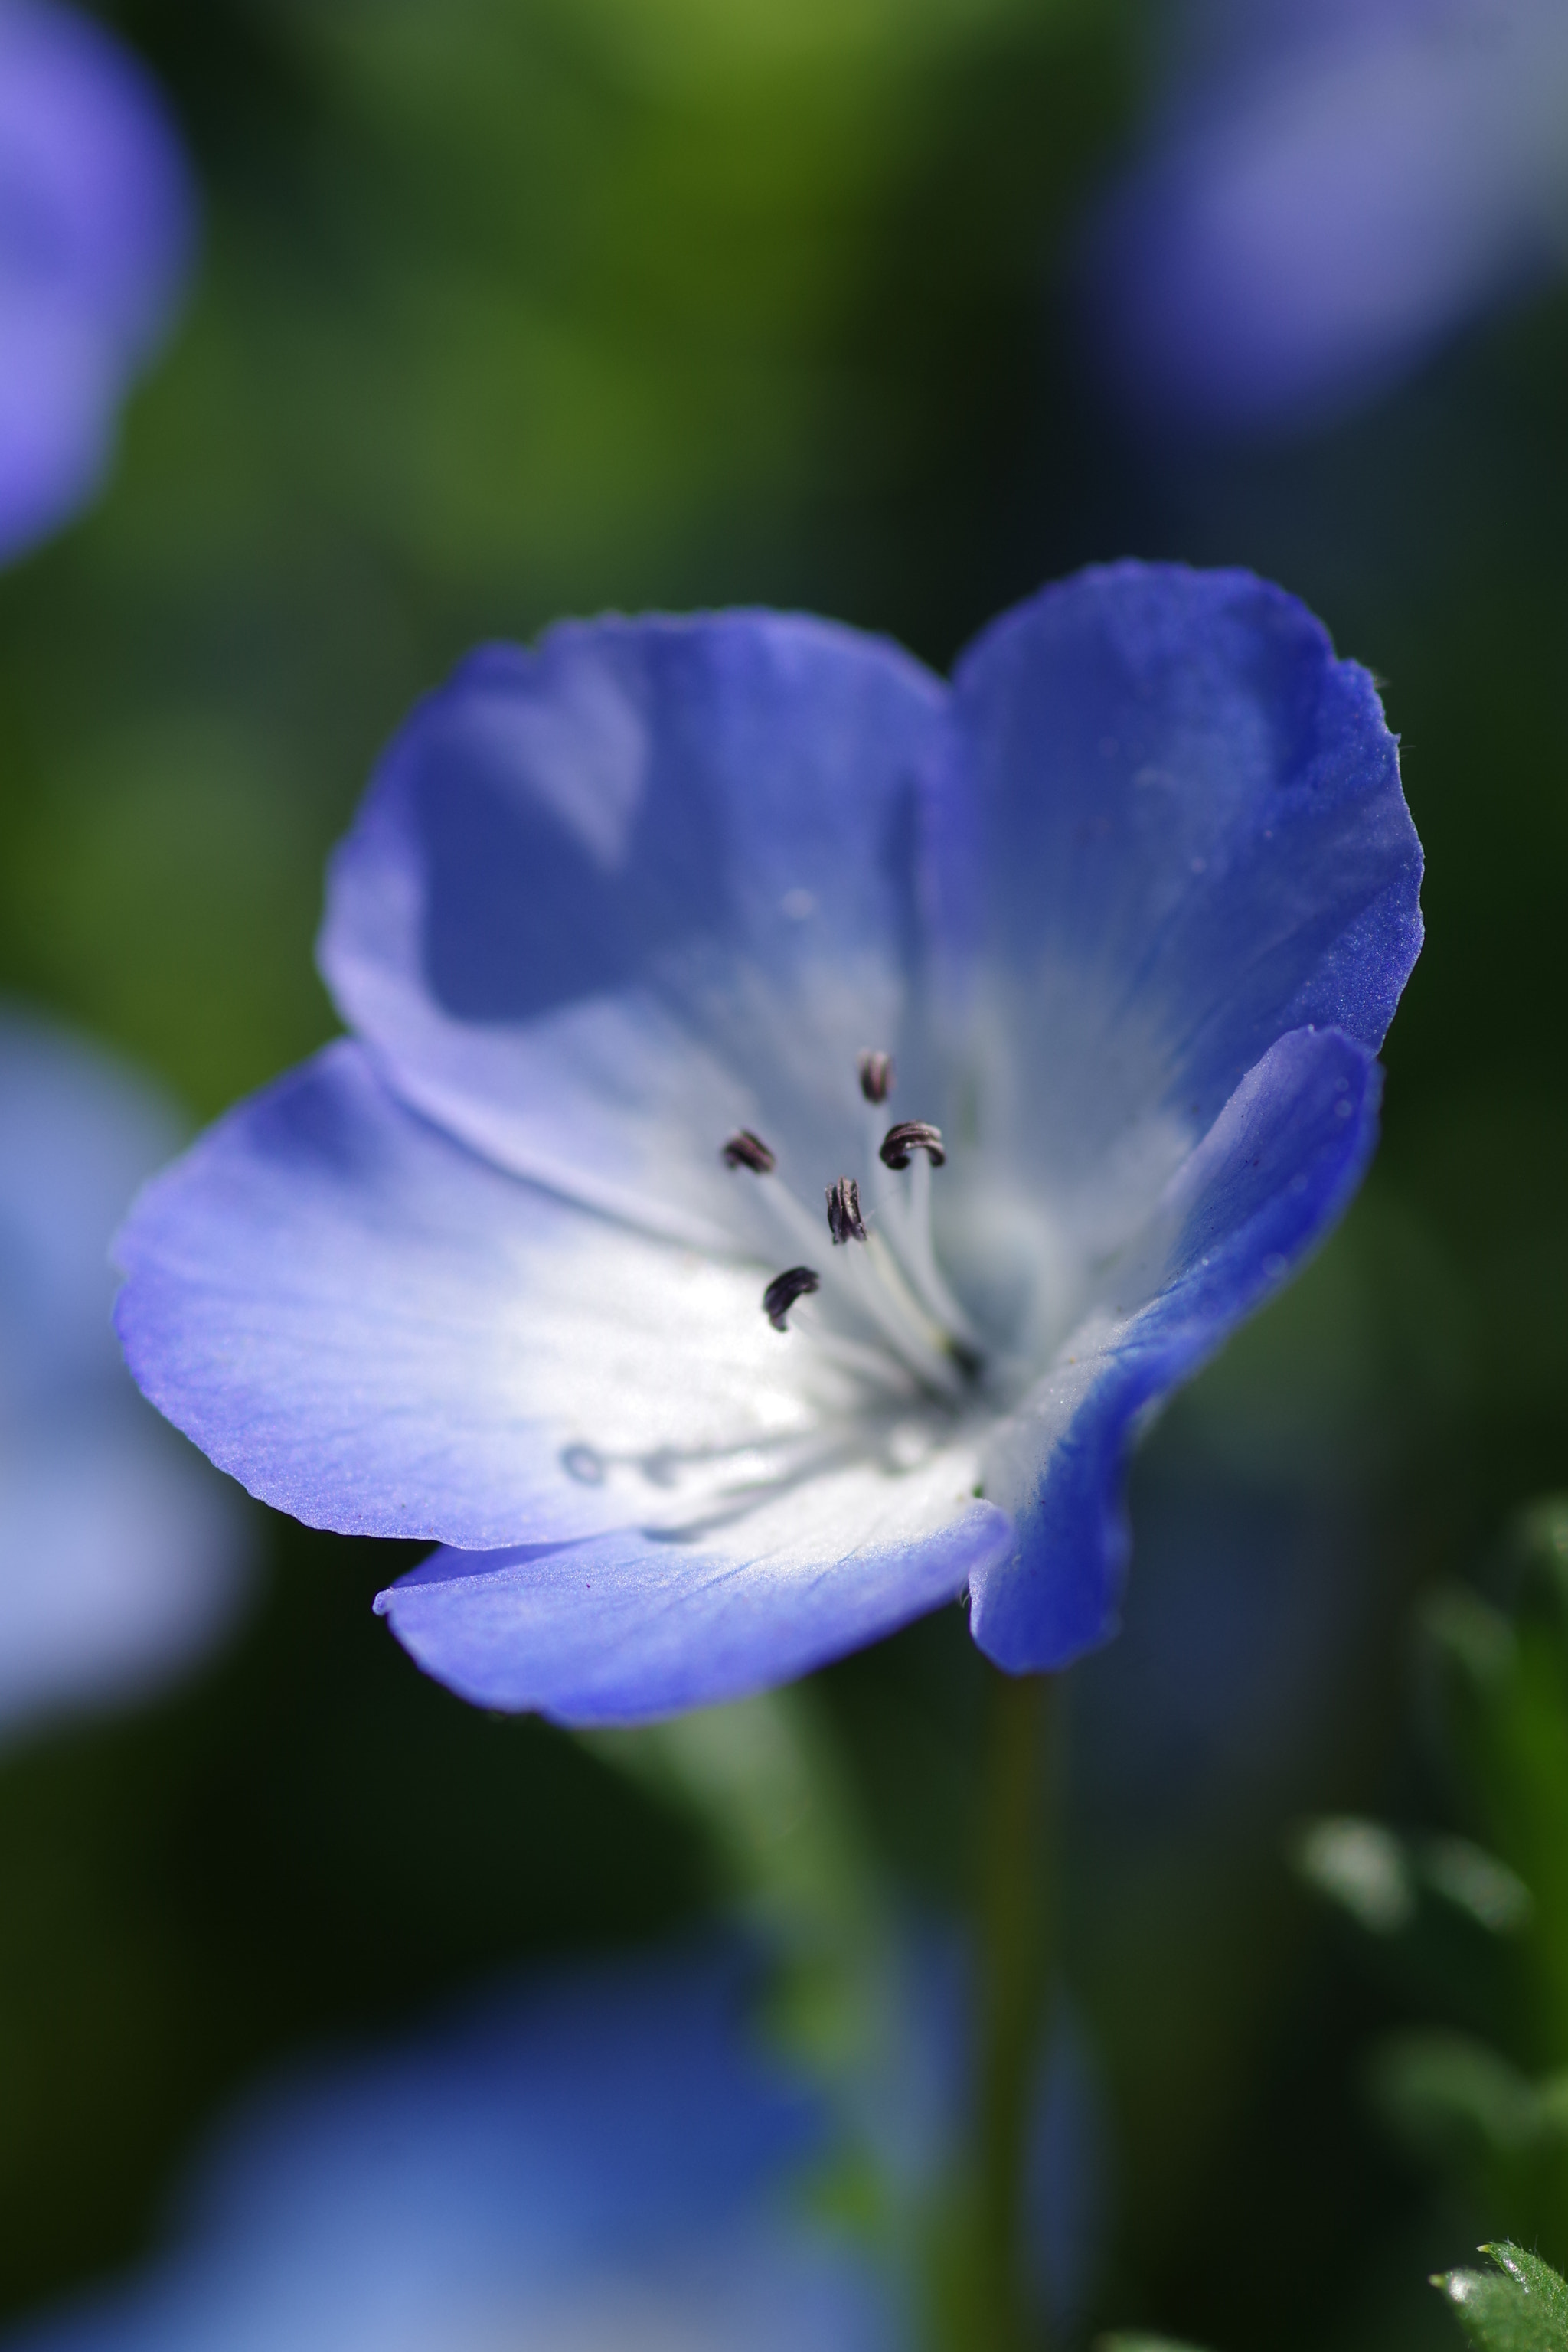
x: 512, y: 307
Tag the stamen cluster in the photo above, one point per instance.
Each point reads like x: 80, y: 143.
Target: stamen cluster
x: 890, y: 1280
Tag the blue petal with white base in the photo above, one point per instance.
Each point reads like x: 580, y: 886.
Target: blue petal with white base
x: 1129, y: 905
x: 610, y: 900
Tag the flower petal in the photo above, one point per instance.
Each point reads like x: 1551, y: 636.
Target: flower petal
x: 1332, y: 208
x: 381, y: 1332
x: 1277, y: 1169
x: 623, y: 1628
x: 81, y: 1131
x: 96, y: 232
x: 1169, y: 829
x: 122, y: 1559
x: 608, y: 900
x: 603, y: 2159
x: 58, y: 396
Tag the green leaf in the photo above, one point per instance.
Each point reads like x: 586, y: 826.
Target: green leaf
x: 1476, y: 1884
x: 1448, y: 2095
x: 1522, y: 2306
x: 1363, y: 1867
x: 1140, y: 2344
x: 1503, y: 1682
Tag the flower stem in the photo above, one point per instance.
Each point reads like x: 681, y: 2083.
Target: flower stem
x: 1016, y: 1925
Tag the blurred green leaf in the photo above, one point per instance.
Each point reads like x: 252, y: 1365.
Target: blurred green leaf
x: 1476, y: 1883
x: 167, y: 891
x: 1473, y: 1641
x: 764, y: 1779
x: 1363, y: 1867
x: 1378, y: 1878
x: 1447, y: 2094
x: 1502, y: 1685
x: 1520, y: 2306
x: 1140, y: 2344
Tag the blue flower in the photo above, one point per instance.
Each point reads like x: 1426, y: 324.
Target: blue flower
x: 96, y: 226
x: 1342, y: 191
x: 602, y: 2162
x: 120, y: 1556
x: 1060, y: 986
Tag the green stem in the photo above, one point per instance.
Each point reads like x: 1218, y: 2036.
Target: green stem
x: 1017, y: 1921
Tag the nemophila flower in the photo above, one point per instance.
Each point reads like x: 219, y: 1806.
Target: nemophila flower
x: 802, y: 1117
x: 121, y: 1555
x: 96, y: 222
x: 1344, y: 187
x: 602, y: 2162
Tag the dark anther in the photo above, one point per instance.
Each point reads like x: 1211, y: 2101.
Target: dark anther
x: 785, y: 1289
x: 745, y: 1149
x: 876, y: 1077
x: 912, y: 1135
x: 843, y: 1220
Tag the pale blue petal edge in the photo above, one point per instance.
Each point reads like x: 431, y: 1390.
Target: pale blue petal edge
x: 316, y: 1292
x: 626, y: 1628
x: 1170, y: 822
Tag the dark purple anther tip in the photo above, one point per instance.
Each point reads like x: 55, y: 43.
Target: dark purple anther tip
x: 843, y: 1220
x: 912, y: 1135
x: 785, y: 1289
x: 745, y: 1149
x: 876, y: 1077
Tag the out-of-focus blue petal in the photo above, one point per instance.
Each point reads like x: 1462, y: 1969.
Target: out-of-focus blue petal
x: 1068, y: 2198
x: 59, y: 394
x: 606, y: 897
x: 1338, y: 201
x: 1171, y: 829
x: 96, y: 230
x: 121, y: 1559
x: 79, y: 1133
x: 1278, y: 1167
x: 602, y: 2162
x: 626, y: 1628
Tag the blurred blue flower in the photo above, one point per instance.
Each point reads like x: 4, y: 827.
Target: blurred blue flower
x: 121, y: 1555
x: 604, y: 2162
x: 1347, y: 185
x: 96, y: 230
x: 1126, y: 910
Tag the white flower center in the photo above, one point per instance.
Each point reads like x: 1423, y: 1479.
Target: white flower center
x: 875, y: 1301
x: 879, y: 1367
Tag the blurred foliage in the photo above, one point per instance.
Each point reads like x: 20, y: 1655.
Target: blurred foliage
x: 1140, y: 2344
x: 508, y: 309
x: 766, y: 1784
x: 1472, y: 1931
